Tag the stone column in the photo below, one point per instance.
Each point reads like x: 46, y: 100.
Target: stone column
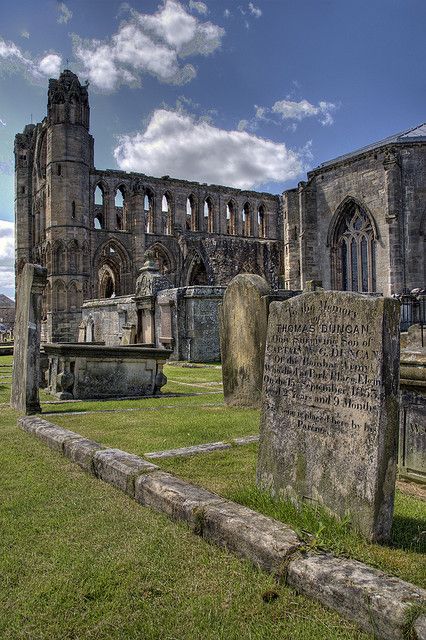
x: 26, y: 362
x: 394, y: 218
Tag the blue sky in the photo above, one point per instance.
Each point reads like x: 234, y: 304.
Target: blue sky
x: 251, y: 94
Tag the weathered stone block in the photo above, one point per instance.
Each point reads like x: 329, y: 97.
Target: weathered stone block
x: 26, y: 360
x: 262, y: 540
x: 378, y: 603
x: 330, y: 408
x: 81, y: 450
x: 178, y: 499
x: 120, y: 468
x: 243, y: 324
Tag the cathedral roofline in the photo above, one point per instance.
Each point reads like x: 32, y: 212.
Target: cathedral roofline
x: 415, y: 134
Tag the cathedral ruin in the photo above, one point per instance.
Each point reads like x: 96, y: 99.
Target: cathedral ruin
x: 358, y: 223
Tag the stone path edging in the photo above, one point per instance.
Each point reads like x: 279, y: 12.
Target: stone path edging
x: 201, y: 448
x: 385, y: 606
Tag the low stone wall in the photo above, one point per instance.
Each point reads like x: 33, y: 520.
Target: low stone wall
x: 85, y: 370
x: 412, y: 431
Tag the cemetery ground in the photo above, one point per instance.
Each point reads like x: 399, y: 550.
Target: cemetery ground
x: 81, y: 560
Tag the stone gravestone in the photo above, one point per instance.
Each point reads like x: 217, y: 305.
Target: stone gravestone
x: 243, y: 320
x: 26, y: 361
x: 330, y: 407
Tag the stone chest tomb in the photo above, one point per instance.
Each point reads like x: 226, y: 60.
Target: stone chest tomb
x: 330, y: 405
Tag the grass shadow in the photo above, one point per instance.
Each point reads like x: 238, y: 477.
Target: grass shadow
x: 408, y: 533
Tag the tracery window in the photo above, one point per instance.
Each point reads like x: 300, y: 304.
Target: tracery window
x: 354, y: 251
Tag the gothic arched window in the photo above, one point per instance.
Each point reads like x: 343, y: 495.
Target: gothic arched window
x: 354, y: 266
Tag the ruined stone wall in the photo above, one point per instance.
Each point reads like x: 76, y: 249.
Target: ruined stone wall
x: 389, y: 184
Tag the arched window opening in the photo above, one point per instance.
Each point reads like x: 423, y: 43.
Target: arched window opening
x: 208, y: 215
x: 59, y: 169
x: 99, y: 209
x: 167, y: 214
x: 148, y: 205
x: 120, y: 208
x: 99, y: 196
x: 191, y: 213
x: 106, y: 283
x: 353, y: 251
x: 230, y: 218
x: 261, y: 221
x: 197, y: 275
x: 245, y: 220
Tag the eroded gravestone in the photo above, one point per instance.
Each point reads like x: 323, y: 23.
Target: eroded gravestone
x: 330, y: 409
x: 243, y: 322
x: 26, y: 360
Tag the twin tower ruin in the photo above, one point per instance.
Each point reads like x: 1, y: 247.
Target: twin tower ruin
x: 357, y: 224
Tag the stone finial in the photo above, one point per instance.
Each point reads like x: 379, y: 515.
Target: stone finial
x: 313, y: 285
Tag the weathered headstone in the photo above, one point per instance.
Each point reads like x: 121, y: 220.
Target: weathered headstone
x: 26, y: 361
x: 243, y: 322
x: 329, y: 420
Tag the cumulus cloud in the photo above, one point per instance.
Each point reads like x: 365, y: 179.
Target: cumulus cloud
x: 64, y: 13
x: 155, y: 44
x: 50, y: 65
x: 177, y: 144
x: 255, y: 11
x: 200, y: 7
x: 291, y: 110
x: 12, y: 59
x: 7, y: 257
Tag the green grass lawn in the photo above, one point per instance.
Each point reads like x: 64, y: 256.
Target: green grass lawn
x: 232, y: 473
x: 80, y: 560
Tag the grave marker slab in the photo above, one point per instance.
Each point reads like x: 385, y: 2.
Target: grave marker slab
x: 330, y: 407
x: 243, y: 322
x: 26, y: 361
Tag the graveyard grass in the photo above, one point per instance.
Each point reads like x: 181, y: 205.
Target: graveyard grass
x: 188, y: 420
x: 83, y: 560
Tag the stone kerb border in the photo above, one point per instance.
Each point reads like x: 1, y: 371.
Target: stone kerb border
x: 382, y: 605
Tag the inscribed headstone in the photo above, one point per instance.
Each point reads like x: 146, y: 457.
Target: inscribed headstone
x: 330, y: 405
x: 26, y: 361
x: 243, y: 323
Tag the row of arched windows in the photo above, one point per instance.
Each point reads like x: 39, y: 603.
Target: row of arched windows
x: 62, y: 297
x: 237, y: 222
x: 67, y: 258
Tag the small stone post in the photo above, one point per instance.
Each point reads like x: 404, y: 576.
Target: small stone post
x: 26, y: 362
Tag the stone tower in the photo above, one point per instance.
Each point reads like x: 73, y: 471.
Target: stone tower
x: 53, y: 161
x: 69, y: 158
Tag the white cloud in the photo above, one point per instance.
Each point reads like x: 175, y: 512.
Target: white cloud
x: 2, y: 123
x: 50, y: 65
x: 255, y: 11
x: 7, y: 257
x: 153, y: 44
x: 200, y: 7
x: 12, y: 59
x: 64, y: 13
x: 177, y: 144
x: 291, y: 110
x: 242, y: 125
x: 25, y: 34
x: 226, y: 13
